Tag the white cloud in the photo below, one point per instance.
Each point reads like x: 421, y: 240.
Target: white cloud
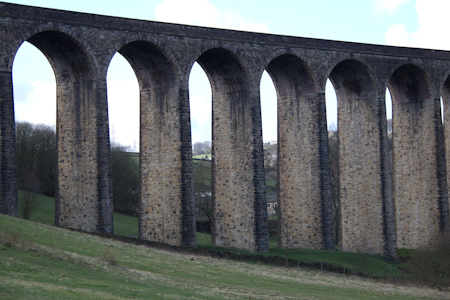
x: 432, y: 21
x: 397, y: 35
x: 201, y: 109
x: 123, y: 109
x: 389, y: 5
x: 200, y: 104
x: 201, y: 118
x: 38, y: 105
x: 269, y: 111
x: 204, y: 13
x: 123, y: 103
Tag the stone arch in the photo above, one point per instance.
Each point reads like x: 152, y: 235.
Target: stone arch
x: 239, y: 217
x: 366, y: 207
x: 352, y: 79
x: 409, y: 83
x: 291, y: 76
x: 152, y: 65
x: 83, y: 159
x: 224, y: 70
x: 420, y: 187
x: 166, y: 212
x: 305, y: 217
x: 68, y: 57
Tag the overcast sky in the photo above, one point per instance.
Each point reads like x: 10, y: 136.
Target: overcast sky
x: 415, y: 23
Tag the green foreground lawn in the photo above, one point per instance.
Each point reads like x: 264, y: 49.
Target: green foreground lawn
x: 370, y: 265
x: 39, y: 261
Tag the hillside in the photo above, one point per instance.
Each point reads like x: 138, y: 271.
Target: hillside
x: 202, y: 175
x: 39, y: 261
x: 202, y: 172
x: 372, y: 265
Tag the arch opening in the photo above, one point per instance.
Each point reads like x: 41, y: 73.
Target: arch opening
x: 445, y: 101
x: 388, y: 97
x: 34, y: 90
x: 331, y: 107
x: 269, y: 119
x: 201, y: 120
x: 333, y: 154
x: 123, y: 114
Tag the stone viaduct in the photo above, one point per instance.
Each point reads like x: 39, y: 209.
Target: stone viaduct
x: 383, y: 205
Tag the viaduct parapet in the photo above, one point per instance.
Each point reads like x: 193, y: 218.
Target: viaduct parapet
x: 382, y: 205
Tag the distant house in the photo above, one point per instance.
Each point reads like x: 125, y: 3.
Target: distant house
x: 272, y: 205
x: 203, y: 205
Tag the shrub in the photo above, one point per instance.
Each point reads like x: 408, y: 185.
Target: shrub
x: 125, y: 180
x: 10, y: 240
x: 30, y: 199
x: 108, y: 257
x: 431, y: 265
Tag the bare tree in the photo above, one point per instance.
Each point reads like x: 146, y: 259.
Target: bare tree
x: 200, y: 148
x: 125, y: 179
x: 30, y: 199
x: 333, y: 143
x: 202, y: 189
x: 36, y: 155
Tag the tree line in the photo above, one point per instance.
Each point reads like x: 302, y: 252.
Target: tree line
x: 36, y: 169
x: 199, y: 148
x: 36, y: 165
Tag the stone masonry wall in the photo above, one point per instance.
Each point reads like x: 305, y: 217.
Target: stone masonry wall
x: 234, y: 217
x: 81, y: 47
x: 79, y: 181
x: 162, y: 213
x: 416, y: 183
x: 364, y: 213
x: 304, y: 195
x: 8, y: 175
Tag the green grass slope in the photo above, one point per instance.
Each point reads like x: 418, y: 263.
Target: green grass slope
x: 39, y: 261
x: 370, y: 265
x: 123, y: 224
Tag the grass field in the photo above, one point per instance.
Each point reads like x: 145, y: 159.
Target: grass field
x: 38, y: 261
x: 370, y: 265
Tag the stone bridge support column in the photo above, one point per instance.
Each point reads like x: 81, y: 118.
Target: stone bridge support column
x: 83, y: 194
x: 445, y: 211
x: 304, y: 182
x: 305, y: 212
x: 167, y: 212
x: 366, y: 206
x: 239, y: 204
x: 420, y: 187
x: 9, y: 204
